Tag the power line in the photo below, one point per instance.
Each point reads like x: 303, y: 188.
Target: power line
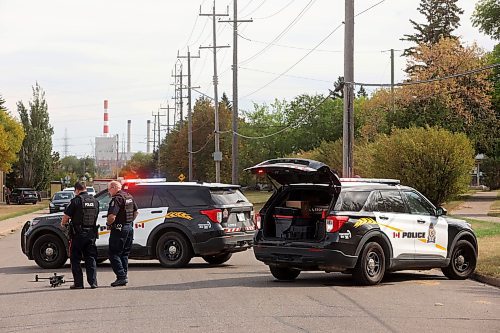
x: 287, y: 46
x: 282, y: 33
x: 255, y: 9
x: 276, y: 13
x: 203, y: 147
x: 289, y: 126
x: 292, y: 76
x: 473, y: 71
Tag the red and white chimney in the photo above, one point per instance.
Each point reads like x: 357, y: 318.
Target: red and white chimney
x: 106, y: 122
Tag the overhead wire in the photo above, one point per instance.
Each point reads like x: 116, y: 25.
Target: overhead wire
x: 254, y: 10
x: 276, y: 13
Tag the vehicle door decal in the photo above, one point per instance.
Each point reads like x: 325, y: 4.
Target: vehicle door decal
x: 181, y: 215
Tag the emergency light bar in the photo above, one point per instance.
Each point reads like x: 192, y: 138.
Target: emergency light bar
x: 144, y: 180
x: 371, y: 180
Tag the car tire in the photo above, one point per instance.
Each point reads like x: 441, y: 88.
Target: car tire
x: 370, y: 268
x: 173, y: 250
x: 49, y: 252
x: 217, y: 259
x: 34, y: 203
x: 284, y: 273
x: 463, y: 261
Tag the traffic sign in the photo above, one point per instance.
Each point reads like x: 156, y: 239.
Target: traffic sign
x: 181, y: 177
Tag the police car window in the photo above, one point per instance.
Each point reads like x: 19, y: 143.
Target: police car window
x: 417, y: 204
x: 104, y: 200
x: 162, y: 198
x: 227, y: 196
x: 192, y: 197
x: 352, y: 201
x: 142, y: 195
x: 392, y: 202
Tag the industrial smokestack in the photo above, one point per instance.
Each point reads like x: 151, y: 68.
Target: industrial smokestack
x: 148, y: 140
x: 106, y: 122
x: 129, y: 126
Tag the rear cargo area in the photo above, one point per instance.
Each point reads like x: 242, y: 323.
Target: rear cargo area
x: 298, y: 215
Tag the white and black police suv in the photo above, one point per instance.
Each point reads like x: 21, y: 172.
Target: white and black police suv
x: 316, y: 221
x: 176, y: 221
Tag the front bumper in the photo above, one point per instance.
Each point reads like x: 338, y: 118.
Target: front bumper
x: 228, y: 243
x: 310, y: 258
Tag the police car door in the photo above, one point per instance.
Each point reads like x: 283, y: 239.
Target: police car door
x: 103, y: 198
x: 148, y: 215
x: 434, y: 229
x: 396, y: 223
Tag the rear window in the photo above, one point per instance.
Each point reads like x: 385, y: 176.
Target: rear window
x: 192, y: 197
x: 227, y: 196
x: 352, y: 201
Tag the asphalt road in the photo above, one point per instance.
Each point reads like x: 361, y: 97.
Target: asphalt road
x: 241, y: 296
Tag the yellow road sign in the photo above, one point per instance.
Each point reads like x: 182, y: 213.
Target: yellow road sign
x: 181, y: 177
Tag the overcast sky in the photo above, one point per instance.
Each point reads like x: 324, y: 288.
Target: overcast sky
x: 122, y: 50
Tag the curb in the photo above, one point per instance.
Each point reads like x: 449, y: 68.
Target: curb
x: 490, y: 280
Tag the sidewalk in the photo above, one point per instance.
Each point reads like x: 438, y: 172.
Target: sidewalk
x: 11, y: 225
x: 477, y: 207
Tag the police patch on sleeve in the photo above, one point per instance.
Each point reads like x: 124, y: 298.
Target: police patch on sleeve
x: 112, y: 203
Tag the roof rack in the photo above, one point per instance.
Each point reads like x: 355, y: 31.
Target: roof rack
x: 371, y: 180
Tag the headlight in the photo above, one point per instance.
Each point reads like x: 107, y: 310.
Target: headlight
x: 51, y: 205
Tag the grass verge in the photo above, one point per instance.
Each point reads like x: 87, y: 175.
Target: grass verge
x: 18, y: 210
x: 258, y: 198
x: 458, y: 200
x: 488, y: 238
x: 495, y: 208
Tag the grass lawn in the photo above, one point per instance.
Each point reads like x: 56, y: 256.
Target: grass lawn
x: 258, y: 198
x: 488, y: 237
x: 458, y: 200
x: 9, y: 211
x: 495, y: 208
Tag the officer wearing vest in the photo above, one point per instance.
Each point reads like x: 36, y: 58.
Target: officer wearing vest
x: 83, y: 211
x: 121, y: 214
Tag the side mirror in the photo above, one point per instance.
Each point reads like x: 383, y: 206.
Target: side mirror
x: 441, y: 211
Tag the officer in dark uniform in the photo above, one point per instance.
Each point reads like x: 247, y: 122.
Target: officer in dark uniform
x: 121, y: 214
x: 83, y: 211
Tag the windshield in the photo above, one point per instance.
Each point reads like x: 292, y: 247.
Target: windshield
x: 63, y: 196
x: 227, y: 196
x: 104, y: 198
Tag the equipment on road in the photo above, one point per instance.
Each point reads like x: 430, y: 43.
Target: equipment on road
x: 55, y: 280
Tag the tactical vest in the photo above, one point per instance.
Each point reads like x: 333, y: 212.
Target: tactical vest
x: 126, y: 213
x: 90, y: 209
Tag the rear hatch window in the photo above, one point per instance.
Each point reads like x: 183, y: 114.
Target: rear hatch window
x: 236, y: 209
x: 29, y: 194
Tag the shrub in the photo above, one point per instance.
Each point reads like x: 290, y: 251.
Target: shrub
x: 434, y: 161
x: 491, y: 170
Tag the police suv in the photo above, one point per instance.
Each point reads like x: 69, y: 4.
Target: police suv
x: 316, y: 221
x: 176, y: 221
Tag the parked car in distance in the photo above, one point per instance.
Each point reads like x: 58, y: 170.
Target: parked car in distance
x: 60, y: 201
x: 23, y: 195
x: 90, y: 190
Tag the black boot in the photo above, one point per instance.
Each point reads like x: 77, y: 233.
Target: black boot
x: 119, y: 283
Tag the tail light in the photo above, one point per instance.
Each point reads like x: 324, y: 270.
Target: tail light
x: 257, y: 220
x: 334, y: 222
x: 215, y: 215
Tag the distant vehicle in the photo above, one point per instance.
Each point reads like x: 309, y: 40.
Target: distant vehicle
x: 60, y: 201
x: 90, y: 190
x: 23, y: 195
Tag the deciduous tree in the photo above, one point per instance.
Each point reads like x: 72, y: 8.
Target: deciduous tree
x: 11, y: 138
x: 487, y: 17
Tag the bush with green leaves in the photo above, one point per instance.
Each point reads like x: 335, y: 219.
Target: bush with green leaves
x: 491, y: 170
x: 433, y: 160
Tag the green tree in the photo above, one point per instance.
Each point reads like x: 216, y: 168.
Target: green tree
x: 487, y: 17
x: 35, y: 159
x: 442, y: 18
x: 11, y: 138
x: 141, y: 165
x: 433, y: 160
x: 362, y: 92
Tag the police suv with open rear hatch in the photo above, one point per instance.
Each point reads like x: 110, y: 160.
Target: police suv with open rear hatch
x: 176, y: 221
x: 316, y: 221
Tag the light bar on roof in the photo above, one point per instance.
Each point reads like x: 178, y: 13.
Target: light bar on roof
x: 144, y: 180
x: 371, y: 180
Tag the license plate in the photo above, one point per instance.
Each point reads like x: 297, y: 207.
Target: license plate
x: 240, y: 217
x: 61, y: 208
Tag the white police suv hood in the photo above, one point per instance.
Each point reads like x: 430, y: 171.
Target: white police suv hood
x: 287, y: 171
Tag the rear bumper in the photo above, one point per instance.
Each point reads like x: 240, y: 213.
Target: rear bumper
x: 228, y: 243
x: 311, y: 258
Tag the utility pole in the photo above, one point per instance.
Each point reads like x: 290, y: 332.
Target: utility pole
x: 348, y: 124
x: 214, y: 47
x: 234, y: 158
x: 190, y: 110
x: 66, y: 142
x: 148, y: 136
x: 392, y: 80
x: 168, y: 108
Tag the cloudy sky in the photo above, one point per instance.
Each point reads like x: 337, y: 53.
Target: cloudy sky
x: 122, y: 50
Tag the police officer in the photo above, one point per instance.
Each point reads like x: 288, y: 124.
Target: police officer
x: 83, y: 211
x: 121, y: 213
